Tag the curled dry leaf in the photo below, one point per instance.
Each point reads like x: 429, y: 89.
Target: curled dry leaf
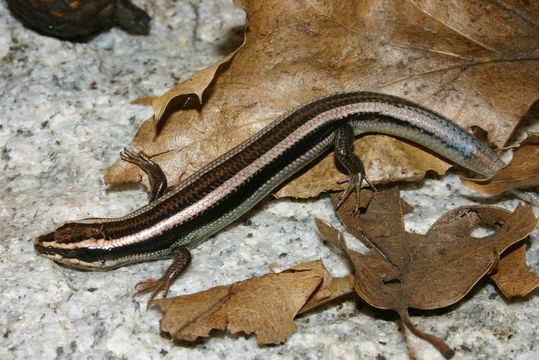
x: 146, y: 100
x: 265, y: 306
x: 195, y: 85
x: 521, y: 173
x: 475, y: 62
x: 331, y: 288
x: 403, y: 270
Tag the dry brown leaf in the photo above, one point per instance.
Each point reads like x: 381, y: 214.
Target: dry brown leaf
x: 475, y: 62
x: 521, y: 173
x: 438, y: 268
x: 513, y: 276
x: 403, y: 270
x: 265, y: 306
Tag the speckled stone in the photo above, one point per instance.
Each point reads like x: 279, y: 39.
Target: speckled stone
x: 66, y: 114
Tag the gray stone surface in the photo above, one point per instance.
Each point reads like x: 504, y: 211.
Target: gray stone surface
x: 66, y: 114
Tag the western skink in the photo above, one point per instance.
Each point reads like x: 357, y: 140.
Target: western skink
x: 219, y: 193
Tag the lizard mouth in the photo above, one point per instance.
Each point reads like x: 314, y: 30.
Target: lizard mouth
x: 45, y: 246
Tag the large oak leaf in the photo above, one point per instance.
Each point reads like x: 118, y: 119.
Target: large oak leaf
x: 476, y: 62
